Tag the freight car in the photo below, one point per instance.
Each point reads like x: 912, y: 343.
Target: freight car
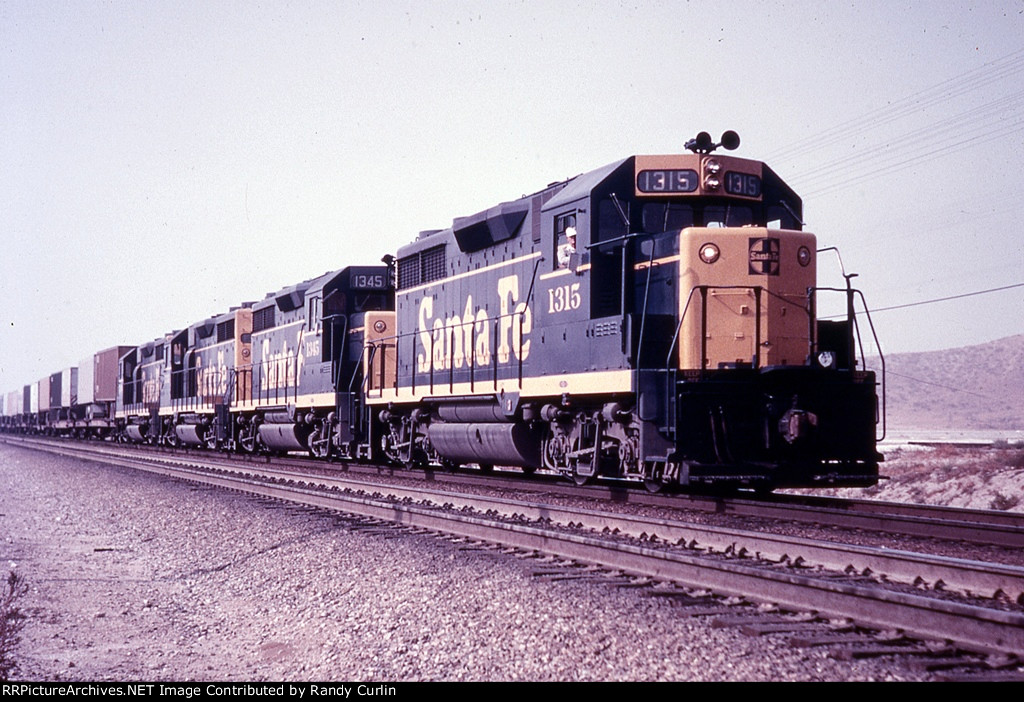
x: 653, y: 321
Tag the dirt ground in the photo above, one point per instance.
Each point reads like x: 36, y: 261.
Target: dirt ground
x: 956, y: 476
x: 138, y: 578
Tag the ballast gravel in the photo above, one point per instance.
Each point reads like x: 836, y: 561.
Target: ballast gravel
x: 136, y: 577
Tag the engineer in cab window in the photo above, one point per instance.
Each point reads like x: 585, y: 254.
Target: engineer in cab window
x: 566, y: 250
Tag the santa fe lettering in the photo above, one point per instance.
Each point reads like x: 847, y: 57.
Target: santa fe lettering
x: 466, y: 340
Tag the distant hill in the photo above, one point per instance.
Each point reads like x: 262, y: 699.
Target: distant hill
x: 973, y: 387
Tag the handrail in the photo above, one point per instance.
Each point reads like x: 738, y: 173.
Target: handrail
x: 468, y: 360
x: 881, y: 356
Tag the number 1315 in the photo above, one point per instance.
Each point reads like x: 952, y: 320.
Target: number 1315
x: 564, y: 297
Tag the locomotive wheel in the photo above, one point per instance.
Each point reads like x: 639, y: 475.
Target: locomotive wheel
x: 416, y: 461
x: 574, y: 463
x: 210, y: 440
x: 248, y: 442
x: 653, y: 478
x: 653, y: 486
x: 582, y: 480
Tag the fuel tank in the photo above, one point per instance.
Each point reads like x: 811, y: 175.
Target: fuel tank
x: 490, y: 443
x: 190, y: 434
x: 285, y: 437
x: 137, y: 432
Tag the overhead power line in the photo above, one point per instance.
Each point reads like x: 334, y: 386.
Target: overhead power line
x: 951, y: 297
x: 940, y: 385
x: 976, y: 122
x: 897, y: 162
x: 971, y: 80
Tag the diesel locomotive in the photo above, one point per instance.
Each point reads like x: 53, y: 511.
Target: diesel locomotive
x: 654, y: 320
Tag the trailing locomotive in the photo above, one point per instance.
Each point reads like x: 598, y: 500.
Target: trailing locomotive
x: 653, y: 320
x: 282, y: 374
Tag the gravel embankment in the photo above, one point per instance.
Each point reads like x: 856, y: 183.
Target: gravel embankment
x: 135, y: 577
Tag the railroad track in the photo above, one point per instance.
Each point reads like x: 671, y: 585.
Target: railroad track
x: 876, y: 588
x: 935, y: 522
x: 987, y: 527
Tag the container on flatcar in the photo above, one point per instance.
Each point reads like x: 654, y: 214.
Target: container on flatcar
x: 93, y: 412
x: 69, y: 387
x: 87, y: 381
x: 43, y: 395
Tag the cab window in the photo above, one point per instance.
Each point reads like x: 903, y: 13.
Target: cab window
x: 612, y: 219
x: 563, y: 224
x: 780, y: 217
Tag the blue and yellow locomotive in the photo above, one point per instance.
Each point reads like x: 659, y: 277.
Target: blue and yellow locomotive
x: 652, y: 320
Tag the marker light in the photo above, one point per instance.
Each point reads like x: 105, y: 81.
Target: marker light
x: 826, y: 359
x: 709, y: 253
x: 711, y: 170
x: 803, y: 256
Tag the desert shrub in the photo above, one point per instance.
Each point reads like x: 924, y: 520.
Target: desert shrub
x: 12, y: 620
x: 1004, y: 502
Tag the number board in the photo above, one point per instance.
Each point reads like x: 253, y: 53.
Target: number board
x: 683, y: 180
x: 362, y: 280
x: 744, y: 184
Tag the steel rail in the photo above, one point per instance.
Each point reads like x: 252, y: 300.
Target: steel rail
x: 906, y: 509
x: 969, y: 625
x: 989, y: 527
x: 968, y: 577
x: 888, y: 517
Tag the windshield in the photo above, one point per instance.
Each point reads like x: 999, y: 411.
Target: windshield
x: 665, y: 216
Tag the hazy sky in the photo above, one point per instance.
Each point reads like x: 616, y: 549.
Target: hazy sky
x: 161, y: 161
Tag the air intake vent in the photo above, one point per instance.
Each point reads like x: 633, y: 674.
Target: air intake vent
x: 423, y: 267
x: 263, y: 319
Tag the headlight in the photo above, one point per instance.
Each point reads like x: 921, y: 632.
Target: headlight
x: 803, y: 256
x: 826, y: 359
x: 709, y: 253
